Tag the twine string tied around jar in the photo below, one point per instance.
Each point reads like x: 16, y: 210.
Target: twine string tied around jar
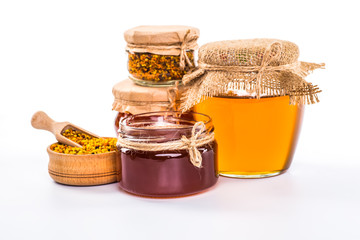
x: 183, y: 48
x: 261, y: 67
x: 185, y: 44
x: 190, y: 144
x: 271, y: 54
x: 173, y: 95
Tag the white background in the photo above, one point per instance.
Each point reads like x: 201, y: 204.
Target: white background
x: 63, y: 57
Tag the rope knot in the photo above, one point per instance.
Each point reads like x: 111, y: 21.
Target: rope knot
x: 183, y: 48
x: 190, y: 144
x: 271, y: 53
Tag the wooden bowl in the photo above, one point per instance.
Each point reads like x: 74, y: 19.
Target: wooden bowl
x: 84, y: 170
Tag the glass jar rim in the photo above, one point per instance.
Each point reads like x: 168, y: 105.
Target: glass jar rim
x: 164, y: 126
x: 123, y: 121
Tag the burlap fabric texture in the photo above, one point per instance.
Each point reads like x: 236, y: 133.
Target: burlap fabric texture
x: 163, y: 40
x: 259, y: 66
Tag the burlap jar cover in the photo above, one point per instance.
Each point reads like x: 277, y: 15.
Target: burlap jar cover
x: 163, y: 40
x: 136, y: 99
x: 259, y: 66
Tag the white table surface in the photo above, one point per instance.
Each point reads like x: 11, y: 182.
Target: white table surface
x: 310, y: 201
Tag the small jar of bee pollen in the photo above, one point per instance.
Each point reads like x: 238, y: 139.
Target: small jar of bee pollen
x: 160, y: 55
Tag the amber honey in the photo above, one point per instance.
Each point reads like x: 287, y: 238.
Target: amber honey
x: 256, y: 137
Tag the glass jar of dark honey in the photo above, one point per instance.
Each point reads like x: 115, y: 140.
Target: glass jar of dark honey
x: 167, y: 154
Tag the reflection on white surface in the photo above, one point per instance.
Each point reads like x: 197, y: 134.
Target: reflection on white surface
x: 309, y: 199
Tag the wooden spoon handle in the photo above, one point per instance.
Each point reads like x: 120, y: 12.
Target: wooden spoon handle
x: 41, y: 120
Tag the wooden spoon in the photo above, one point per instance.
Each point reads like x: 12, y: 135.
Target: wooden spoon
x: 41, y: 120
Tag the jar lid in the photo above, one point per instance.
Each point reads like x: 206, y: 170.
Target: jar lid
x: 135, y: 99
x: 162, y: 40
x: 247, y: 52
x: 160, y: 35
x: 259, y: 66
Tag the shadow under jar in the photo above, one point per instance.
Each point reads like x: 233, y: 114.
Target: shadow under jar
x: 166, y: 173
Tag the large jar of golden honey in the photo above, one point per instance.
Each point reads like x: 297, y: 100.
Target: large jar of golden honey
x: 254, y: 90
x: 160, y: 55
x: 257, y: 137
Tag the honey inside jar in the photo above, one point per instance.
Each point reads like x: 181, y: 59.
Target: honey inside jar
x: 165, y: 173
x: 256, y: 137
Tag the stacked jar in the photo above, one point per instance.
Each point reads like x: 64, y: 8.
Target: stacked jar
x: 163, y: 152
x: 131, y: 99
x: 158, y: 58
x: 160, y: 55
